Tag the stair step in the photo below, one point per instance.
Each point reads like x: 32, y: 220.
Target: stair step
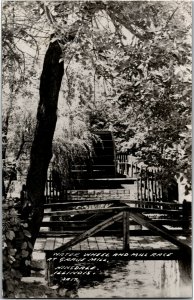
x: 102, y: 163
x: 104, y: 183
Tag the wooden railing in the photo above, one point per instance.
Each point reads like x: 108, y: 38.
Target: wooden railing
x: 148, y: 179
x: 55, y: 191
x: 74, y: 219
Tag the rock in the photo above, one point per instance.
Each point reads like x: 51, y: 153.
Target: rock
x: 39, y: 260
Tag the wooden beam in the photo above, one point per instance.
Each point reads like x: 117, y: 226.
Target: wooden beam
x: 161, y: 231
x: 155, y: 210
x: 107, y: 232
x: 78, y: 224
x: 93, y: 202
x: 172, y: 222
x: 69, y: 224
x: 82, y: 202
x: 86, y: 211
x: 90, y: 232
x: 154, y: 203
x: 125, y: 230
x: 113, y: 209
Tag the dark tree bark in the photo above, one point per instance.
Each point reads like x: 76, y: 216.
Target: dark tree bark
x: 41, y: 151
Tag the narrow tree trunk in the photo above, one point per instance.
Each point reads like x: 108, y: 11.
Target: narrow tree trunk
x: 41, y: 151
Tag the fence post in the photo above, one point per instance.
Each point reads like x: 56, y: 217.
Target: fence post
x: 186, y: 215
x: 141, y: 197
x: 152, y: 185
x: 125, y: 165
x: 125, y: 230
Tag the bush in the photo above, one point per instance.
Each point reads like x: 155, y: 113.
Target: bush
x: 17, y: 248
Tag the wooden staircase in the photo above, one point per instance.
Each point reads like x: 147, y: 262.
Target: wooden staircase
x: 103, y: 159
x: 101, y: 165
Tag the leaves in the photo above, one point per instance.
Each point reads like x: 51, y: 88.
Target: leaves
x: 24, y: 246
x: 16, y: 249
x: 25, y: 253
x: 27, y: 262
x: 27, y: 233
x: 10, y: 235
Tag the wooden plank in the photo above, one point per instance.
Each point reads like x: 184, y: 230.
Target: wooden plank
x: 50, y: 242
x: 103, y: 242
x: 155, y: 210
x: 77, y: 247
x: 64, y: 225
x: 109, y: 242
x: 113, y: 179
x: 145, y: 221
x: 125, y: 230
x: 114, y: 241
x: 71, y: 224
x: 79, y: 203
x: 87, y: 241
x: 174, y: 222
x: 107, y: 201
x: 67, y: 239
x: 97, y: 246
x: 85, y: 211
x: 111, y: 210
x: 90, y: 232
x: 117, y: 233
x: 92, y: 244
x: 84, y: 245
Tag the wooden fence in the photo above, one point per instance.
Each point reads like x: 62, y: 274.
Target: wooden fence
x: 55, y: 191
x: 148, y: 179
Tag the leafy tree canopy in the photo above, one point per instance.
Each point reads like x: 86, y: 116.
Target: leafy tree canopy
x: 127, y: 67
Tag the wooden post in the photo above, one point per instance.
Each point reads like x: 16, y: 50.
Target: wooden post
x: 50, y: 267
x: 141, y: 197
x: 138, y: 194
x: 145, y: 185
x: 125, y: 230
x: 50, y: 178
x: 136, y: 170
x: 132, y: 169
x: 126, y: 165
x: 45, y: 191
x: 49, y: 270
x: 152, y: 185
x: 186, y: 215
x: 148, y: 184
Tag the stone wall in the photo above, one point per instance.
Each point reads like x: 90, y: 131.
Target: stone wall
x: 104, y: 194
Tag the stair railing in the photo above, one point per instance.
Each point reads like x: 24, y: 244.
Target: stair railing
x: 149, y: 185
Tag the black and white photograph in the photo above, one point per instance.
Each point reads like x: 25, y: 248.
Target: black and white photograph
x: 96, y: 149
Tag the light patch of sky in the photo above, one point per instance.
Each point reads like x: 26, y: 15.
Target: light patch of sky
x: 104, y: 23
x: 28, y: 49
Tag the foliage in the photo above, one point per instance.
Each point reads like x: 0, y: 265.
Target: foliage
x: 127, y: 69
x: 16, y: 248
x: 141, y: 71
x: 20, y: 51
x: 120, y: 70
x: 155, y: 98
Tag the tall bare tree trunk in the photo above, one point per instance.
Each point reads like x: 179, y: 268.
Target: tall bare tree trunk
x: 41, y: 151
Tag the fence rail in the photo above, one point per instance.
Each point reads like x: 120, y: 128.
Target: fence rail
x: 147, y: 179
x: 54, y: 189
